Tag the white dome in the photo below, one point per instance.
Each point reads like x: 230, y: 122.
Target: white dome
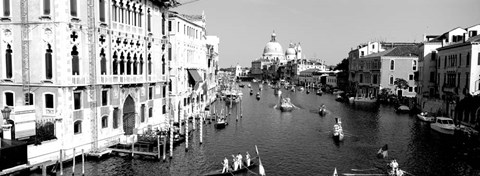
x: 272, y: 48
x: 290, y: 51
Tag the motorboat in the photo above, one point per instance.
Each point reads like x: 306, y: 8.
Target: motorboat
x: 241, y: 85
x: 322, y: 111
x: 308, y: 91
x: 232, y: 96
x: 443, y: 125
x: 251, y: 92
x: 425, y: 116
x: 249, y: 86
x: 220, y: 123
x: 319, y: 92
x: 286, y: 105
x: 301, y: 89
x: 258, y: 95
x: 254, y: 80
x: 337, y: 130
x: 402, y: 109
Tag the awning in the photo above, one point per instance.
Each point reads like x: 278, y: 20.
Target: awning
x: 194, y: 78
x: 195, y: 75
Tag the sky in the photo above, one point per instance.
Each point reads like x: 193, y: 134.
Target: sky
x: 326, y: 29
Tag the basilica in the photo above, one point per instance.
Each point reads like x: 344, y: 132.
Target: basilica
x: 277, y: 64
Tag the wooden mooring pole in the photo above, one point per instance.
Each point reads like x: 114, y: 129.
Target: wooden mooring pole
x: 186, y: 135
x: 164, y: 147
x: 201, y: 129
x: 61, y: 161
x: 73, y: 160
x: 158, y: 146
x: 83, y: 162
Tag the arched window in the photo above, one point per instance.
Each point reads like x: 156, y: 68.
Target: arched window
x: 163, y: 64
x: 114, y: 10
x: 73, y: 8
x: 135, y: 64
x: 149, y: 64
x: 142, y: 113
x: 102, y: 10
x: 392, y: 64
x: 49, y: 101
x: 8, y: 61
x: 77, y: 127
x: 103, y: 62
x: 391, y: 79
x: 150, y: 112
x: 115, y: 64
x: 141, y: 65
x: 104, y: 121
x: 48, y: 62
x: 122, y: 64
x: 129, y: 64
x: 9, y: 99
x: 75, y: 61
x: 149, y: 17
x: 116, y: 113
x: 29, y: 98
x: 6, y: 8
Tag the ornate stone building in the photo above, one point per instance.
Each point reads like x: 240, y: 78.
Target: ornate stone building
x: 87, y: 72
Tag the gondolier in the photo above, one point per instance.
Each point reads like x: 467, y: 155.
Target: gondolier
x: 239, y: 159
x: 225, y: 165
x: 247, y: 158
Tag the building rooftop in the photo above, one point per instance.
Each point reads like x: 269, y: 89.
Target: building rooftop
x: 398, y: 51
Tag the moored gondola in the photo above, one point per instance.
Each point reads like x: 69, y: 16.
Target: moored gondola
x: 244, y: 169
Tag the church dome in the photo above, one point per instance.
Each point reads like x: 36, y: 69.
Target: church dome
x: 273, y: 47
x: 290, y: 51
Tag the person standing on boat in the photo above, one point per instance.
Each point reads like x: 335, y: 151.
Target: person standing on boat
x: 225, y: 165
x: 247, y: 158
x: 239, y: 159
x: 235, y: 163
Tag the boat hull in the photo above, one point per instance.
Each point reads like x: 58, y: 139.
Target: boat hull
x: 230, y: 173
x: 443, y: 130
x: 286, y: 108
x: 220, y: 125
x: 425, y: 118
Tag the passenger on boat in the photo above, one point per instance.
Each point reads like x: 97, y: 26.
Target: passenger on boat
x: 235, y: 163
x: 239, y: 159
x: 247, y: 157
x: 225, y: 165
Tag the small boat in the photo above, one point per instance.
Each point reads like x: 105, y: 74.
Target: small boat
x: 319, y: 92
x: 244, y: 169
x: 301, y: 89
x: 443, y: 125
x: 251, y: 92
x: 339, y: 98
x: 308, y: 91
x: 249, y: 86
x: 254, y: 80
x: 338, y: 131
x: 241, y: 85
x: 383, y: 152
x: 258, y: 95
x: 286, y: 105
x: 425, y: 116
x: 402, y: 109
x: 322, y: 111
x: 220, y: 123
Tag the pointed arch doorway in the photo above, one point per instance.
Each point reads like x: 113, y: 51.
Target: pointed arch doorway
x: 128, y: 115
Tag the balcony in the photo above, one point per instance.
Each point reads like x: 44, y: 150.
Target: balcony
x: 121, y: 79
x: 127, y: 28
x: 78, y: 79
x: 450, y: 89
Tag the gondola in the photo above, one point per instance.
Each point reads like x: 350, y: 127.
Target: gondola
x: 244, y: 169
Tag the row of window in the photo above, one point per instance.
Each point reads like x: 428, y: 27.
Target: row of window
x: 48, y: 99
x: 454, y: 60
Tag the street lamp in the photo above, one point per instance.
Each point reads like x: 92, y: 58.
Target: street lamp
x: 6, y: 113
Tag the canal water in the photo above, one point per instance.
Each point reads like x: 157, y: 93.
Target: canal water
x: 300, y: 142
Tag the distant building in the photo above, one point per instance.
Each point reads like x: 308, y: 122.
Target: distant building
x: 378, y: 71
